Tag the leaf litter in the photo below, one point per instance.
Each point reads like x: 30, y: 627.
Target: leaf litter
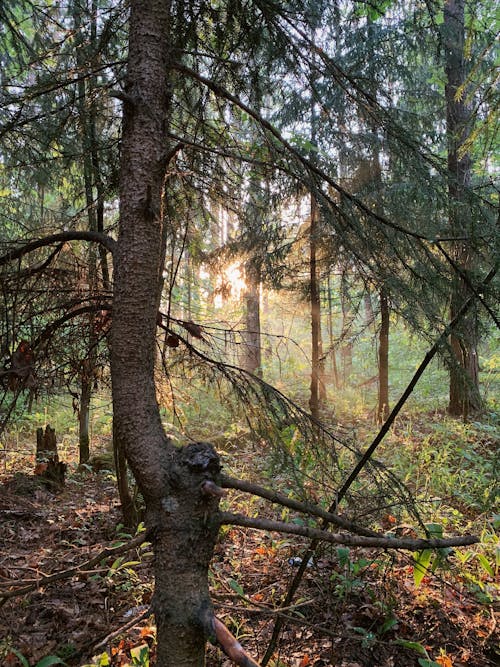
x: 363, y: 612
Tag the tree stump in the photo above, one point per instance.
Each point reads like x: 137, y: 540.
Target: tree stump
x: 48, y: 467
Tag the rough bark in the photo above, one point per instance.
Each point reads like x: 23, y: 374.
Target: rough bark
x: 171, y: 480
x: 464, y: 371
x: 137, y: 257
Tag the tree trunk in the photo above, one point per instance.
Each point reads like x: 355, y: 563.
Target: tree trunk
x: 464, y: 371
x: 46, y: 445
x: 129, y: 510
x: 84, y: 416
x: 87, y: 118
x: 170, y: 479
x: 252, y: 360
x: 383, y: 359
x: 346, y: 350
x: 332, y: 351
x: 317, y: 386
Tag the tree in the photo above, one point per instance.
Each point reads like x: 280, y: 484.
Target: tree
x: 170, y: 480
x: 464, y: 370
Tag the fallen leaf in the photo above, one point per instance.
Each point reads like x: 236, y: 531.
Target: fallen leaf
x: 444, y: 660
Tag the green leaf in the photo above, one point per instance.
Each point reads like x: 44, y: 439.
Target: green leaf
x: 103, y: 660
x: 387, y: 625
x: 422, y: 561
x: 20, y: 657
x: 435, y: 530
x: 413, y: 646
x: 485, y: 564
x: 140, y: 655
x: 428, y: 663
x: 236, y: 587
x: 343, y: 554
x: 50, y: 660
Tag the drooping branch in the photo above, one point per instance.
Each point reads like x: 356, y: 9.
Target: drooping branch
x: 25, y: 248
x: 39, y: 267
x: 227, y: 518
x: 72, y: 314
x: 307, y: 163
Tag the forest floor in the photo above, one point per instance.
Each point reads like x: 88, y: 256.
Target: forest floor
x: 353, y: 609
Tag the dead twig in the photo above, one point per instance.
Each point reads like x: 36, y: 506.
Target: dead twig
x: 123, y: 628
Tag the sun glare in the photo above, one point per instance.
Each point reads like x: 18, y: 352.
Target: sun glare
x: 230, y: 284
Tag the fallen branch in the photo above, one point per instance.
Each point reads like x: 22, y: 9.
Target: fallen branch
x: 83, y: 568
x: 123, y: 628
x: 227, y: 518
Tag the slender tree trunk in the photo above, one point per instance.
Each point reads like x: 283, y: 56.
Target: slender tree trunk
x: 369, y: 314
x: 383, y: 359
x: 333, y: 352
x: 346, y: 350
x: 129, y: 510
x: 257, y: 208
x: 464, y: 371
x: 170, y: 479
x: 84, y: 414
x: 188, y: 285
x: 252, y: 361
x: 87, y: 120
x: 317, y: 387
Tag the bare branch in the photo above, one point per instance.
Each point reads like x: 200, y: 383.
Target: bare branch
x: 62, y: 237
x: 127, y: 626
x: 226, y: 518
x: 306, y: 508
x: 231, y: 646
x: 52, y: 326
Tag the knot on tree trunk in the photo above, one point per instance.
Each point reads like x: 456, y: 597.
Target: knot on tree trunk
x: 200, y: 458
